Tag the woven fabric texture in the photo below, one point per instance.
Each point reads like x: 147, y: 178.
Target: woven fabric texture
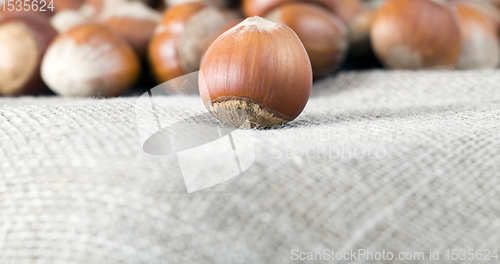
x: 397, y: 161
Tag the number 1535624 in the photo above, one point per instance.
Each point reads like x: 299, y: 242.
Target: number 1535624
x: 26, y: 5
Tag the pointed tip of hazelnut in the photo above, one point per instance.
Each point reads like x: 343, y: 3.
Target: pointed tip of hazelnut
x: 256, y: 22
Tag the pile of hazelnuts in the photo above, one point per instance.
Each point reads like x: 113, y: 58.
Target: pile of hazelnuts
x: 264, y: 65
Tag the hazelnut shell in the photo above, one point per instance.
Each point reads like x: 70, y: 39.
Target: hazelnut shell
x: 135, y: 22
x: 480, y: 38
x: 24, y: 39
x: 416, y: 34
x: 181, y: 38
x: 90, y: 60
x: 324, y: 36
x: 259, y: 68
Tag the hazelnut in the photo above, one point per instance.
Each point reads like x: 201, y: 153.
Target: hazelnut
x: 257, y: 71
x: 416, y: 34
x: 181, y: 38
x: 135, y: 22
x: 344, y: 9
x: 23, y: 42
x: 480, y: 37
x: 90, y: 60
x: 324, y: 36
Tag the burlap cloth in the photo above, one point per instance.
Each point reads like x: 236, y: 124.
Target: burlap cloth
x: 394, y: 161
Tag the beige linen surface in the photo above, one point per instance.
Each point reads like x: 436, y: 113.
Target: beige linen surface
x: 378, y: 160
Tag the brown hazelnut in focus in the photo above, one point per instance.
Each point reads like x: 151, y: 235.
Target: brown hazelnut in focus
x: 479, y: 35
x: 257, y: 71
x: 416, y: 34
x: 344, y: 9
x: 324, y: 36
x: 90, y: 60
x: 181, y: 38
x: 23, y: 42
x: 135, y: 22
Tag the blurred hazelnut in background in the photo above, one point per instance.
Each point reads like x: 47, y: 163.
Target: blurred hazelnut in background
x: 344, y: 9
x: 182, y: 37
x: 172, y: 36
x: 480, y: 40
x: 133, y: 21
x: 23, y: 41
x: 323, y: 35
x: 416, y: 34
x: 90, y: 60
